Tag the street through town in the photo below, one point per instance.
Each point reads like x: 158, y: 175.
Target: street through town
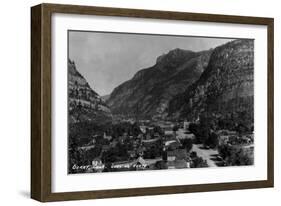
x: 206, y: 154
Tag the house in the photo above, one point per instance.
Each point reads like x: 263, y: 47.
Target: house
x: 186, y: 125
x: 178, y: 154
x: 181, y: 154
x: 167, y: 143
x: 143, y: 129
x: 177, y: 164
x: 108, y: 137
x: 172, y: 145
x: 171, y: 156
x: 178, y: 159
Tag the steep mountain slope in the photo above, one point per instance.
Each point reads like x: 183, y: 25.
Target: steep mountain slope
x: 226, y: 86
x: 84, y: 103
x: 148, y: 93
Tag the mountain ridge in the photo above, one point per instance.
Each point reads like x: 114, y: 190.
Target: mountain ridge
x: 85, y: 105
x: 148, y: 92
x: 225, y: 87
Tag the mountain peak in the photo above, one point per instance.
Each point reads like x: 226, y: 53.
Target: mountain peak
x: 173, y: 59
x: 174, y: 54
x: 224, y: 88
x: 150, y: 90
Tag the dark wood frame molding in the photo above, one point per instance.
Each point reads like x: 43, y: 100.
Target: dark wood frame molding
x: 41, y: 101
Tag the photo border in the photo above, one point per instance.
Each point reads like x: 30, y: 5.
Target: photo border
x: 126, y: 33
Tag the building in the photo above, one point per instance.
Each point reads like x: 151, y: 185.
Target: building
x: 178, y: 159
x: 178, y: 154
x: 108, y: 137
x: 143, y: 129
x: 186, y: 125
x: 172, y: 145
x: 178, y: 164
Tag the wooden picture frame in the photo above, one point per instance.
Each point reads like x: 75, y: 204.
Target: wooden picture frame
x: 41, y: 116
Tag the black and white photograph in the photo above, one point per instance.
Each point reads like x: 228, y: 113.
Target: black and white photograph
x: 154, y: 102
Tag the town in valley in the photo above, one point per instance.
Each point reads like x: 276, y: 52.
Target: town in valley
x: 189, y: 110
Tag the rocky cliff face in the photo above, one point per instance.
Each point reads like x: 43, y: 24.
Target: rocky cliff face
x: 226, y: 86
x: 148, y: 93
x: 85, y: 105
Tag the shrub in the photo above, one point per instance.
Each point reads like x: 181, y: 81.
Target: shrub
x: 213, y: 140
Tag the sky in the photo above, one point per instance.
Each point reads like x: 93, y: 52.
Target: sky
x: 108, y: 59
